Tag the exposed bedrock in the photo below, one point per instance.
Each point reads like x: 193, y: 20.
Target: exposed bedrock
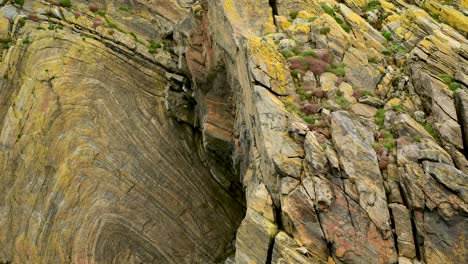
x: 233, y: 131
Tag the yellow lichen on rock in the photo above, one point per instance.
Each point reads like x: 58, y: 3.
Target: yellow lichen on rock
x: 269, y: 66
x: 454, y: 18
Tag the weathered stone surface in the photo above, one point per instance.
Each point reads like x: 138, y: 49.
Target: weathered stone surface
x: 440, y: 216
x: 300, y: 219
x: 93, y: 168
x: 254, y: 238
x: 404, y: 231
x: 4, y: 29
x: 131, y: 131
x: 260, y: 201
x: 359, y: 161
x: 286, y: 250
x: 461, y: 102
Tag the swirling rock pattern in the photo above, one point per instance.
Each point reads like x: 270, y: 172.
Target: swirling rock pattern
x: 92, y: 168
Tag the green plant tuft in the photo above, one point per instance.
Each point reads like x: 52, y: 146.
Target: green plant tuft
x: 293, y: 14
x: 342, y: 102
x: 65, y: 3
x: 325, y: 30
x: 328, y: 9
x: 296, y: 73
x: 430, y: 129
x: 19, y: 2
x: 337, y: 69
x: 310, y: 119
x: 287, y: 54
x: 308, y: 53
x: 372, y: 60
x: 373, y: 5
x: 380, y: 117
x: 454, y: 86
x: 389, y: 144
x: 345, y: 27
x: 387, y: 35
x: 125, y: 9
x: 26, y: 40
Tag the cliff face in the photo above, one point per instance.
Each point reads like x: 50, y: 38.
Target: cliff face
x: 281, y: 131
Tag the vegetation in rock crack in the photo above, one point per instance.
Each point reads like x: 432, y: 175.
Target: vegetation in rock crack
x: 450, y: 82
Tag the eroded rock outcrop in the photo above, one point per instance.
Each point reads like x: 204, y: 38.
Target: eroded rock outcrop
x: 272, y: 131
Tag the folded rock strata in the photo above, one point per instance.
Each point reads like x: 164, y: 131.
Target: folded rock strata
x: 269, y: 131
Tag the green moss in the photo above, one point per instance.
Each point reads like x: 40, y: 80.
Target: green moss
x: 342, y: 102
x: 398, y: 108
x: 22, y: 22
x: 450, y: 81
x: 309, y: 119
x: 296, y: 50
x: 65, y: 3
x: 26, y: 40
x: 430, y: 129
x: 373, y: 5
x: 386, y: 52
x: 110, y: 24
x: 329, y: 107
x: 101, y: 13
x: 40, y: 28
x: 5, y: 40
x: 417, y: 138
x: 345, y: 27
x: 380, y: 117
x: 308, y: 53
x: 372, y: 60
x: 291, y: 107
x: 389, y: 144
x: 387, y: 134
x: 325, y: 30
x: 339, y: 20
x: 328, y: 9
x: 454, y: 86
x: 366, y: 93
x: 19, y: 2
x: 447, y: 79
x: 287, y: 54
x: 125, y: 9
x: 293, y: 14
x: 387, y: 35
x: 337, y: 69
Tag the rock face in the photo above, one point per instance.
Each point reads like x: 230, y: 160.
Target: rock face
x: 270, y: 131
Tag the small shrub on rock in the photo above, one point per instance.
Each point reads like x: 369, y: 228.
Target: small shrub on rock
x: 93, y: 7
x: 310, y: 109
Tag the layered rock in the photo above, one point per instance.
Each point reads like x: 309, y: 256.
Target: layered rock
x: 287, y: 131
